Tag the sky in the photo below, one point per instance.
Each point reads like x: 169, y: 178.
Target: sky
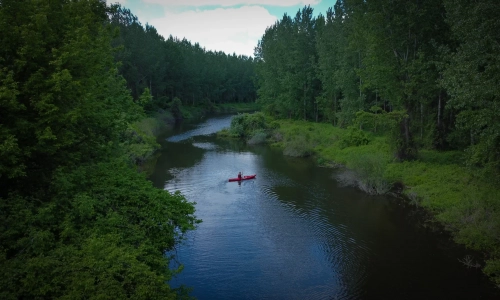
x: 231, y: 26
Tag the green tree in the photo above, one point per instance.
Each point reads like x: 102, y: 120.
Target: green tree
x: 287, y: 62
x: 398, y: 53
x: 471, y: 78
x: 76, y: 219
x: 175, y: 67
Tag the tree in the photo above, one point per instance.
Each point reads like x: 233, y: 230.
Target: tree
x: 76, y: 219
x: 176, y: 67
x: 471, y: 78
x: 398, y: 52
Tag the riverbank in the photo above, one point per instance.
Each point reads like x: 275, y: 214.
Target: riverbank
x: 464, y: 203
x: 140, y: 137
x: 193, y: 113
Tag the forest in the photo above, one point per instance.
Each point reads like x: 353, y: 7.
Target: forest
x: 424, y: 75
x: 78, y: 79
x: 434, y: 62
x: 175, y: 68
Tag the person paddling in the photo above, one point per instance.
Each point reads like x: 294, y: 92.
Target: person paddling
x: 239, y: 176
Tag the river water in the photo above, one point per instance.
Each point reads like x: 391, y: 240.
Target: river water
x: 295, y: 233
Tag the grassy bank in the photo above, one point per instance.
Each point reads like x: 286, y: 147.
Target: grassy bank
x: 140, y: 137
x: 190, y: 113
x: 467, y: 205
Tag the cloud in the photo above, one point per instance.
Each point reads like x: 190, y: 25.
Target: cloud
x: 223, y: 29
x: 229, y: 3
x: 121, y: 2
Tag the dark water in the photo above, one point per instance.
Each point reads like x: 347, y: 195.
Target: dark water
x: 294, y: 233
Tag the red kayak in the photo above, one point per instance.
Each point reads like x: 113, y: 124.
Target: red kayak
x: 243, y: 178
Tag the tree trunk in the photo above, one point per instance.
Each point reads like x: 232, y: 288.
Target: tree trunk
x: 305, y: 116
x: 335, y: 110
x: 421, y: 120
x: 439, y: 111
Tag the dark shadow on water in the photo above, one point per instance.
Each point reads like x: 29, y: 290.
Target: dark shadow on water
x: 295, y: 233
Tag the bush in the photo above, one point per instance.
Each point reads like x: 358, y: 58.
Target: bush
x: 237, y: 130
x: 140, y: 141
x: 457, y: 197
x: 370, y: 169
x: 354, y: 137
x: 244, y: 125
x: 298, y: 146
x: 165, y: 117
x: 176, y: 108
x: 258, y: 138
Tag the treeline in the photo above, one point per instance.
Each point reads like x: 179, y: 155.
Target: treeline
x: 430, y: 67
x: 77, y: 221
x: 173, y: 68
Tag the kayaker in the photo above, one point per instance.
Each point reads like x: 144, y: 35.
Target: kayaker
x: 239, y: 176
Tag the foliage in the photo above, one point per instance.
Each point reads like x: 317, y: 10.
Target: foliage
x: 354, y: 137
x: 145, y: 99
x: 244, y: 125
x: 248, y: 107
x: 76, y: 219
x: 392, y: 124
x: 286, y: 67
x: 171, y: 67
x: 471, y: 78
x: 298, y: 146
x: 259, y: 137
x: 331, y: 67
x: 369, y: 172
x: 139, y: 139
x: 465, y: 203
x: 108, y: 239
x: 176, y: 108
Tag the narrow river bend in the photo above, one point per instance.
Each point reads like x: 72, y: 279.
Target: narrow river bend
x: 295, y: 233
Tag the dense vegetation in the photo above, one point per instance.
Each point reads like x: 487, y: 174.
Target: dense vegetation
x: 77, y: 220
x: 436, y: 62
x: 83, y: 88
x: 406, y: 79
x: 177, y: 73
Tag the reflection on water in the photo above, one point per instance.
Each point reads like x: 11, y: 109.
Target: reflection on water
x: 293, y: 233
x: 214, y: 125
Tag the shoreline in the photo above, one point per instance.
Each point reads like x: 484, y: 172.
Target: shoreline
x: 455, y: 197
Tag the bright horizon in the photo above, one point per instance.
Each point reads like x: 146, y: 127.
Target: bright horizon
x: 218, y: 25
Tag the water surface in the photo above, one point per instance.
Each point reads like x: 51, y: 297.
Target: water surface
x: 295, y: 233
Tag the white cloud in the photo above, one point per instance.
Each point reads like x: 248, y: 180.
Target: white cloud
x: 227, y: 3
x: 223, y: 29
x: 121, y: 2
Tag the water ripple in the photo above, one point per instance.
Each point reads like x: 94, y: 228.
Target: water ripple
x: 211, y: 126
x: 291, y: 233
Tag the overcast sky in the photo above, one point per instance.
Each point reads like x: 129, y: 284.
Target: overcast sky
x: 221, y: 25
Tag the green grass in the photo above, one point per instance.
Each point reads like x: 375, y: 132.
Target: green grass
x: 467, y: 205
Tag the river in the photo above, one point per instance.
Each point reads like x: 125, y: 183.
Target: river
x: 295, y: 233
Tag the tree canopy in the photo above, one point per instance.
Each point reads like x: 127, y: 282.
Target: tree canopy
x: 426, y: 73
x: 176, y: 68
x: 435, y: 61
x: 77, y: 221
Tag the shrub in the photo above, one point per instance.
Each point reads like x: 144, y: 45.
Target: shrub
x: 258, y: 138
x: 176, y: 108
x: 370, y: 169
x: 244, y: 125
x: 298, y: 146
x: 139, y: 139
x: 354, y: 137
